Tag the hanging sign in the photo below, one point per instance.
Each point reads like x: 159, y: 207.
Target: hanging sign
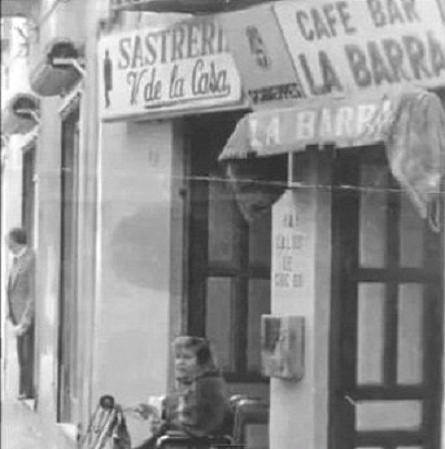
x: 259, y: 49
x: 183, y: 67
x: 350, y: 45
x: 293, y: 248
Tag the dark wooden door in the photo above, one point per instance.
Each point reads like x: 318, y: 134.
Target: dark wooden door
x: 387, y: 312
x: 68, y: 304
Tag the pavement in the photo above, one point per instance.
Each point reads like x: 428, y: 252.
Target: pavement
x: 24, y: 428
x: 21, y: 426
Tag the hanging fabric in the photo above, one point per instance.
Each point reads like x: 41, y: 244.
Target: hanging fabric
x: 409, y: 121
x: 415, y: 147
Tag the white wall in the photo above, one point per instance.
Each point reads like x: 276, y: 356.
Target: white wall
x: 48, y: 156
x: 132, y: 316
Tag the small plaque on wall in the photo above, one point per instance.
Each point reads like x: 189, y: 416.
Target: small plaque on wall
x: 282, y: 346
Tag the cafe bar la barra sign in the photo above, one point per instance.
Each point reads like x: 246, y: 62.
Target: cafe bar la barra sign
x: 181, y: 68
x: 351, y: 45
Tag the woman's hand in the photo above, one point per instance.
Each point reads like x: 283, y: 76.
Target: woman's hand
x: 155, y: 424
x: 144, y: 411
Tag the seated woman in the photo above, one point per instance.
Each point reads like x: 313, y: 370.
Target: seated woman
x: 199, y: 406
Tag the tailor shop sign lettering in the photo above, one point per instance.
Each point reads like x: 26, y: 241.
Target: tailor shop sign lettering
x: 183, y: 67
x: 350, y: 45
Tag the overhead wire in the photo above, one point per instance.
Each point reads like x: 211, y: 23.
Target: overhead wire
x: 299, y: 184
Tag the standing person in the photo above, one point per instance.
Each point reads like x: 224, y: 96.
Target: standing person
x: 21, y: 302
x: 199, y: 406
x: 108, y: 78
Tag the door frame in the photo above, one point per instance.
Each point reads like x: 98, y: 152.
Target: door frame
x: 69, y: 162
x: 338, y: 409
x: 197, y: 267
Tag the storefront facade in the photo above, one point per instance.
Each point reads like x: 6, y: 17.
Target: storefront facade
x: 375, y: 360
x: 335, y: 404
x: 145, y: 231
x: 193, y: 272
x: 344, y: 235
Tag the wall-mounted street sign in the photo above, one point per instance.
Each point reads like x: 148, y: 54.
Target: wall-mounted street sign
x: 350, y: 45
x: 183, y: 68
x: 260, y: 52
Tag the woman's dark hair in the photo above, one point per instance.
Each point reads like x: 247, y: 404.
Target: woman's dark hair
x: 200, y: 346
x: 18, y: 235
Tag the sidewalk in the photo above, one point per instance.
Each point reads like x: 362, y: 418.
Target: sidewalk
x: 24, y: 429
x: 21, y: 427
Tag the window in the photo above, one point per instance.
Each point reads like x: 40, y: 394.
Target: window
x: 229, y: 258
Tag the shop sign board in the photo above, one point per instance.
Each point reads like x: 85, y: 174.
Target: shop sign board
x: 180, y: 68
x: 352, y: 45
x: 259, y: 49
x: 293, y: 250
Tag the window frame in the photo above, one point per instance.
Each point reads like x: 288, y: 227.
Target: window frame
x: 199, y: 269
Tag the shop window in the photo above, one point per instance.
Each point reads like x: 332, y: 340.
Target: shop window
x: 229, y: 257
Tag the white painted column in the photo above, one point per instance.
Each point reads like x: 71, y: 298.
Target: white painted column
x: 301, y: 286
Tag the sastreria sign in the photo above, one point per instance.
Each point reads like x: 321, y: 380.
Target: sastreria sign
x: 182, y: 68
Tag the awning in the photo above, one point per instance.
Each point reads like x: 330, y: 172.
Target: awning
x: 21, y: 114
x: 411, y: 124
x: 343, y: 122
x: 49, y: 78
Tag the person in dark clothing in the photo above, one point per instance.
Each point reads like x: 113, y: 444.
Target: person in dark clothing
x: 199, y: 406
x: 21, y: 302
x: 108, y: 77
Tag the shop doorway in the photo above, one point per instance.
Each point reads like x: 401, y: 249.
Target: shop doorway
x: 387, y: 312
x: 228, y: 279
x: 68, y: 378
